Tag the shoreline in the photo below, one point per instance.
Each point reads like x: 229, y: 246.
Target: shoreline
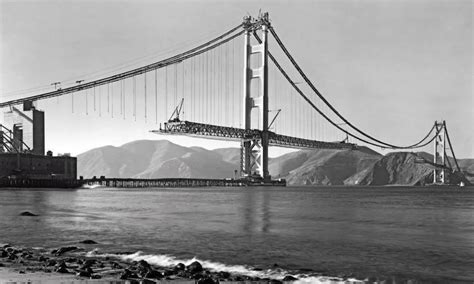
x: 75, y: 265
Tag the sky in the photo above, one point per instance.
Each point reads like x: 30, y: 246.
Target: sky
x: 391, y: 67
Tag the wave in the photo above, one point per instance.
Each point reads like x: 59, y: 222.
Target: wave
x: 164, y: 260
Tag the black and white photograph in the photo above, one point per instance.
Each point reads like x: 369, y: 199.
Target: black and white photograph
x: 236, y: 141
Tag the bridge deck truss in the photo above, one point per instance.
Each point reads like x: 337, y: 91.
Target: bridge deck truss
x: 209, y: 131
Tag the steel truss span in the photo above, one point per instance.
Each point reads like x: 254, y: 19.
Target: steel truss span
x: 209, y: 131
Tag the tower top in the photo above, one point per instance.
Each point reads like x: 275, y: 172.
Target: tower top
x: 250, y: 23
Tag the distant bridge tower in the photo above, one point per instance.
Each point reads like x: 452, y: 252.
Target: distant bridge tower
x: 254, y: 156
x: 439, y: 154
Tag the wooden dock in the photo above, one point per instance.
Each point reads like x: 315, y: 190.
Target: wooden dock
x: 178, y: 182
x: 135, y: 183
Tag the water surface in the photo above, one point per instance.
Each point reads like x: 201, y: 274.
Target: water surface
x: 380, y: 232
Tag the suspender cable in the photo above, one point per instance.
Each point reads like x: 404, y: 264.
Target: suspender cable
x: 144, y: 76
x: 93, y: 90
x: 87, y: 104
x: 282, y: 71
x: 100, y: 103
x: 451, y: 146
x: 134, y: 98
x: 117, y: 77
x: 385, y: 145
x: 156, y: 97
x: 108, y: 98
x: 166, y: 92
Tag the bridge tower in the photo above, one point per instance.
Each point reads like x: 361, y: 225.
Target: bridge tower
x: 254, y: 151
x: 439, y: 154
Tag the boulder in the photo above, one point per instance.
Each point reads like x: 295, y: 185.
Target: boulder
x: 61, y: 268
x: 88, y: 242
x: 83, y: 274
x: 63, y: 250
x: 153, y: 274
x: 143, y: 264
x: 206, y: 280
x: 194, y: 267
x: 289, y: 278
x: 180, y: 266
x: 223, y: 274
x: 27, y: 213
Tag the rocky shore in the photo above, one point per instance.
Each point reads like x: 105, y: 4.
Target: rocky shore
x: 73, y: 263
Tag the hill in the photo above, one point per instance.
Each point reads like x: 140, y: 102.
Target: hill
x: 153, y: 159
x: 160, y: 159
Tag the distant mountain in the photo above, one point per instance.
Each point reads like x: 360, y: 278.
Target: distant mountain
x: 161, y: 159
x: 153, y: 159
x: 322, y: 167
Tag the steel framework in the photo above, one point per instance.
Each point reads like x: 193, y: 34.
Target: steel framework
x: 209, y: 131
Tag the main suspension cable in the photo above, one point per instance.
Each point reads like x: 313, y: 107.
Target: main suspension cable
x: 310, y: 84
x: 137, y: 71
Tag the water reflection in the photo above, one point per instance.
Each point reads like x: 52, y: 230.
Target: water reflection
x: 255, y: 211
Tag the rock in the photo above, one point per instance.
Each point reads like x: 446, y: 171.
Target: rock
x: 180, y: 266
x: 95, y: 276
x: 274, y: 281
x: 3, y: 253
x: 61, y: 269
x: 63, y: 250
x: 51, y: 262
x: 142, y: 263
x: 88, y: 263
x: 83, y: 274
x: 289, y: 278
x: 194, y: 267
x: 127, y: 274
x: 21, y: 272
x: 147, y: 281
x: 88, y: 242
x: 2, y: 265
x: 223, y: 274
x: 168, y: 272
x: 27, y: 213
x: 237, y: 278
x: 115, y: 265
x: 153, y: 274
x: 42, y: 258
x: 206, y: 280
x: 183, y: 274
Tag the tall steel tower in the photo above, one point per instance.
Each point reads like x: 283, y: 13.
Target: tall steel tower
x: 254, y: 156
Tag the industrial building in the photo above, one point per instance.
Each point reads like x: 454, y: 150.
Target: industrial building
x: 22, y: 148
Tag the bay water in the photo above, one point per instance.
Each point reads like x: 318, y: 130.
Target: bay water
x: 315, y: 233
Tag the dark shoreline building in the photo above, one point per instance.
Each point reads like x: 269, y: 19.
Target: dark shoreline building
x: 22, y: 149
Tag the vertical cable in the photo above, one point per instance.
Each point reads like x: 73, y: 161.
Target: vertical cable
x: 183, y: 89
x: 144, y: 76
x: 112, y: 101
x: 108, y: 98
x: 156, y: 98
x: 87, y: 104
x: 166, y: 92
x: 134, y: 98
x: 233, y: 83
x: 100, y: 103
x: 94, y: 96
x: 72, y: 102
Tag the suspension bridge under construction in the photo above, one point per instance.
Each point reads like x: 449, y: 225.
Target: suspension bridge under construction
x: 233, y: 87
